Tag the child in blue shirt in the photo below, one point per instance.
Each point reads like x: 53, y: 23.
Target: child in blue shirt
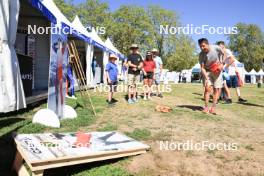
x: 111, y: 72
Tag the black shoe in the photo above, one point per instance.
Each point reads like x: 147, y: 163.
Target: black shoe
x: 114, y: 100
x: 110, y: 103
x: 241, y: 100
x: 160, y: 95
x: 228, y: 101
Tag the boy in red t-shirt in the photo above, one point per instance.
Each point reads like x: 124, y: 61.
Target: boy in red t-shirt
x: 148, y: 70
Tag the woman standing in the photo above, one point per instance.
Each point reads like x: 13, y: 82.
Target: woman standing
x: 148, y: 70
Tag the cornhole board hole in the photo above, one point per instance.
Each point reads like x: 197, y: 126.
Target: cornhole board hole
x: 53, y: 150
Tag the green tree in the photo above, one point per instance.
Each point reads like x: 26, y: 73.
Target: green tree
x: 131, y: 24
x: 94, y: 13
x: 184, y: 55
x: 248, y: 45
x: 67, y: 8
x: 162, y: 17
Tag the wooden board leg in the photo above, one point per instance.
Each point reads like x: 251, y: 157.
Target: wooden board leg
x: 19, y: 167
x: 38, y: 173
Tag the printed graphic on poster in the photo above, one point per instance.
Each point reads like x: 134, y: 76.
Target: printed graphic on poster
x: 53, y: 146
x: 31, y: 51
x: 57, y: 73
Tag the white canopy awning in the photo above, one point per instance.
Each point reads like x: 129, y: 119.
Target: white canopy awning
x: 96, y: 40
x: 252, y: 72
x: 79, y: 26
x: 260, y: 73
x: 49, y: 4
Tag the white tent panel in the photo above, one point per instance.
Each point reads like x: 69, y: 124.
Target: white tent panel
x: 11, y: 89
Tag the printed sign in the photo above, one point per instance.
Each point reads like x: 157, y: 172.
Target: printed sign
x: 49, y: 146
x: 57, y: 73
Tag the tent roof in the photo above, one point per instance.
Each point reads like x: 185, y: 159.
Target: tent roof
x: 260, y: 72
x: 252, y: 72
x: 79, y: 26
x: 110, y: 45
x: 96, y: 40
x: 49, y: 4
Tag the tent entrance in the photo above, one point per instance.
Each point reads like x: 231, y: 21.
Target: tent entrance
x: 33, y: 50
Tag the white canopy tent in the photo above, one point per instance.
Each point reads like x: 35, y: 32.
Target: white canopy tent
x: 49, y: 4
x: 260, y: 73
x: 11, y: 89
x: 97, y: 41
x: 260, y: 76
x: 187, y: 74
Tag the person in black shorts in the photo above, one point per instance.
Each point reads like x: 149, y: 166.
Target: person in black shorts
x: 149, y: 66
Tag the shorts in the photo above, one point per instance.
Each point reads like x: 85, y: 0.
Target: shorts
x: 214, y: 80
x: 149, y: 75
x: 157, y: 78
x: 112, y: 86
x: 133, y: 79
x: 232, y: 82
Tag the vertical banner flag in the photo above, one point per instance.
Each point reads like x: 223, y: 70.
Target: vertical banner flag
x: 57, y: 72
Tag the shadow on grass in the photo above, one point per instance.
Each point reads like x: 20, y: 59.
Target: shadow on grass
x: 197, y: 94
x: 29, y: 108
x: 250, y: 104
x: 7, y: 153
x: 9, y: 121
x: 192, y: 107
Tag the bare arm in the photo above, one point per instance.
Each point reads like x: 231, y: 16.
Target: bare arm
x: 131, y: 65
x: 204, y: 74
x: 107, y: 77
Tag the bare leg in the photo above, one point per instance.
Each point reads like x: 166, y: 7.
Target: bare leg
x: 110, y: 96
x: 227, y: 91
x: 145, y: 88
x: 238, y: 92
x: 215, y: 96
x: 207, y: 92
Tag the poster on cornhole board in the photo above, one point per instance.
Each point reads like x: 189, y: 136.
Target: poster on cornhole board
x: 57, y: 72
x: 48, y: 147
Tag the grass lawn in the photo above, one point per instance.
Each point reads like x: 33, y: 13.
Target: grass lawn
x: 242, y: 124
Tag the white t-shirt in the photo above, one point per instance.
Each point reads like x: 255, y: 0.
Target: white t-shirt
x: 158, y: 62
x: 232, y: 68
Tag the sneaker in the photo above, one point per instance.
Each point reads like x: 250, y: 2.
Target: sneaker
x: 114, y: 100
x: 111, y: 103
x: 241, y: 100
x: 130, y: 101
x: 160, y: 95
x: 145, y: 98
x: 206, y: 110
x: 228, y: 101
x: 212, y: 111
x: 135, y: 100
x: 73, y: 97
x: 149, y: 98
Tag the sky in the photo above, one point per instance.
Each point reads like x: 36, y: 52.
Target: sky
x: 222, y: 13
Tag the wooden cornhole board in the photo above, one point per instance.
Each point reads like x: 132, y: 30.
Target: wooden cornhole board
x: 53, y: 150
